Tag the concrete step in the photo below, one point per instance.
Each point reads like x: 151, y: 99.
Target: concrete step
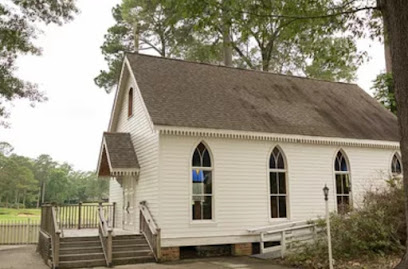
x: 76, y: 250
x: 141, y: 259
x: 131, y: 254
x: 131, y: 247
x: 82, y: 263
x: 82, y: 238
x: 82, y: 256
x: 80, y: 244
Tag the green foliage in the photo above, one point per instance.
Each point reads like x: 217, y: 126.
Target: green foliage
x: 384, y: 91
x: 376, y: 229
x: 196, y: 30
x: 26, y: 182
x: 18, y: 20
x: 11, y: 214
x: 159, y: 27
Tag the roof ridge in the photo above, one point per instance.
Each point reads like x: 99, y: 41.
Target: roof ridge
x: 237, y: 68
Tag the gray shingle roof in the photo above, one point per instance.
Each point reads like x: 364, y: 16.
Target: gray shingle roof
x: 187, y: 94
x: 120, y: 150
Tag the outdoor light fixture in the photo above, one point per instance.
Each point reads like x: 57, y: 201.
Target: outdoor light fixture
x: 326, y: 199
x: 326, y: 193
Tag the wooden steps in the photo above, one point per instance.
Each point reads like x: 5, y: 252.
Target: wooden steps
x: 82, y: 252
x: 130, y: 249
x: 79, y: 252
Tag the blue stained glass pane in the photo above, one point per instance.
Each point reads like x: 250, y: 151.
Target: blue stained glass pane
x: 198, y: 175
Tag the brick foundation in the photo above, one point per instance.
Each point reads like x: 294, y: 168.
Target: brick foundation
x: 242, y: 249
x: 170, y: 254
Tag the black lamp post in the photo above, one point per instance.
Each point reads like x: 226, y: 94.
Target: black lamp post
x: 326, y: 199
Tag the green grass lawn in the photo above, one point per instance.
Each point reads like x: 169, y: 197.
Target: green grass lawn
x: 11, y: 214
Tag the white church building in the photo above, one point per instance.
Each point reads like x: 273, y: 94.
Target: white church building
x: 213, y: 151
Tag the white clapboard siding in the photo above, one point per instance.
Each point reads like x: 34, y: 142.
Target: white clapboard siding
x: 241, y: 184
x: 19, y: 232
x: 145, y: 142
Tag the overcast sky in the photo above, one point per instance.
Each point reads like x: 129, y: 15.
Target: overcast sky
x: 69, y: 125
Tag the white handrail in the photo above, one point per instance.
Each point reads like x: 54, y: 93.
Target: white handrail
x: 149, y: 218
x: 275, y: 228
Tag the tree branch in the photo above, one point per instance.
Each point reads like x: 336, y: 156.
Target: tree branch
x: 352, y: 11
x: 151, y: 45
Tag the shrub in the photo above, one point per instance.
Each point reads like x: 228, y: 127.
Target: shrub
x: 376, y: 229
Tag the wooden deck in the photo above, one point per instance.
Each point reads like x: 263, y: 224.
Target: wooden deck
x: 77, y: 236
x: 93, y: 232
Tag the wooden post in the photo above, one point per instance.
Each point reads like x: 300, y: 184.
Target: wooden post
x: 283, y: 244
x: 114, y: 215
x: 109, y: 250
x: 79, y: 215
x: 56, y: 249
x: 28, y: 231
x: 261, y: 244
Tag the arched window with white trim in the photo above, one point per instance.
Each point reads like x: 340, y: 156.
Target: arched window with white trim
x: 277, y: 184
x: 343, y: 183
x: 130, y: 102
x: 396, y: 168
x: 202, y: 193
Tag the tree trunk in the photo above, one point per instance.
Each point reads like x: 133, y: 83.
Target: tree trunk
x: 387, y: 51
x: 226, y: 35
x: 395, y: 13
x: 43, y: 193
x: 136, y: 35
x: 17, y: 200
x: 39, y: 196
x: 24, y: 198
x: 227, y: 46
x: 387, y: 54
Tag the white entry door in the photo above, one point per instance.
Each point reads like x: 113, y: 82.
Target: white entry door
x: 129, y: 204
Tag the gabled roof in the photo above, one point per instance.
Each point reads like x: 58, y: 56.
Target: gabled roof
x: 187, y: 94
x: 118, y: 156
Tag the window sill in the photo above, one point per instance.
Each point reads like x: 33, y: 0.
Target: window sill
x: 205, y: 223
x: 279, y: 220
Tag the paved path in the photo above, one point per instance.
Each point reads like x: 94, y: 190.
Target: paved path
x: 20, y: 257
x: 25, y: 257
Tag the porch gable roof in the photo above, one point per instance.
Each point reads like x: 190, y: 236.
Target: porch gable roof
x: 117, y: 156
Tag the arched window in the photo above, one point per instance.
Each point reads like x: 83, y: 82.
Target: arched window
x: 130, y: 102
x: 202, y: 184
x: 343, y: 185
x: 396, y: 167
x: 277, y: 184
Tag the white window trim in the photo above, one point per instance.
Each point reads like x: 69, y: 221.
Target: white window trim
x: 211, y: 221
x: 133, y: 103
x: 350, y: 195
x: 286, y: 171
x: 396, y: 175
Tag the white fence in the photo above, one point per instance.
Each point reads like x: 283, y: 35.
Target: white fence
x: 19, y: 232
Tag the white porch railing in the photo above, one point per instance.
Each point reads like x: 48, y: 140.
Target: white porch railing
x: 285, y: 234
